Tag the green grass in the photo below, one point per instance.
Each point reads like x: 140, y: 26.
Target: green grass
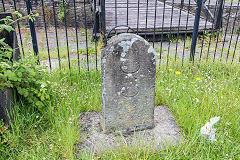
x: 215, y: 45
x: 193, y: 102
x: 55, y: 133
x: 63, y: 52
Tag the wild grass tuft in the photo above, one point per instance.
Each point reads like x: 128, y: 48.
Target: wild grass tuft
x: 194, y: 94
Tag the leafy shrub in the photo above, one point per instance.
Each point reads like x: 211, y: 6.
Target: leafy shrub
x: 25, y: 75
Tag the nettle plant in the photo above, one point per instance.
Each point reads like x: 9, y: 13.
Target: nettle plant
x: 25, y: 75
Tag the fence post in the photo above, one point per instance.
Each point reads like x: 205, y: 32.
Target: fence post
x: 32, y: 28
x: 96, y: 17
x: 218, y: 17
x: 195, y: 30
x: 3, y: 6
x: 103, y: 22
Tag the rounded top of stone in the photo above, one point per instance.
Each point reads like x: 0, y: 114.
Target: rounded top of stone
x: 126, y: 36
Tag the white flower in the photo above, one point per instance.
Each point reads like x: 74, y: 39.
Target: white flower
x: 37, y: 116
x: 207, y: 131
x: 42, y: 86
x: 196, y: 99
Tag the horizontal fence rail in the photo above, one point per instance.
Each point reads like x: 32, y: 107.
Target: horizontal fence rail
x: 67, y: 34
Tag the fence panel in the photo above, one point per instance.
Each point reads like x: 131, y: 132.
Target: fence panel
x: 72, y: 33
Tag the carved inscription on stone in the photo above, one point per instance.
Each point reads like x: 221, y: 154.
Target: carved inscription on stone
x: 128, y: 76
x: 130, y: 86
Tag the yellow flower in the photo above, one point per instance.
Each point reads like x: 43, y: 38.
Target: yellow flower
x: 170, y: 70
x: 178, y: 72
x: 198, y: 79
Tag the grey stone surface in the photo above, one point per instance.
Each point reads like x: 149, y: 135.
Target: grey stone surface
x: 128, y: 84
x: 165, y: 133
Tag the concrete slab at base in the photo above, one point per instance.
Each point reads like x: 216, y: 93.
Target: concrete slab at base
x: 166, y: 132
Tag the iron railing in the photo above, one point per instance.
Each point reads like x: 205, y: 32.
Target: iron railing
x: 71, y: 33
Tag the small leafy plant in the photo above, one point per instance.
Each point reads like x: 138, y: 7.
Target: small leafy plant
x: 62, y: 6
x: 25, y: 75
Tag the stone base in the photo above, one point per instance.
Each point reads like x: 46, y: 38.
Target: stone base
x: 165, y: 133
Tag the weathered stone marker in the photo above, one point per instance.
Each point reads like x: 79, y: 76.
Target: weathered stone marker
x: 128, y: 84
x: 128, y: 90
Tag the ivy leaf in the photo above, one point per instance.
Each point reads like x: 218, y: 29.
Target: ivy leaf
x: 8, y: 28
x: 3, y: 43
x: 32, y: 72
x: 47, y: 96
x: 3, y: 77
x: 11, y: 75
x: 39, y: 104
x: 25, y: 94
x: 19, y: 74
x: 42, y: 98
x: 20, y: 90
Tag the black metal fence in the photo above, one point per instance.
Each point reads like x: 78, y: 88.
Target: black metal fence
x: 72, y: 32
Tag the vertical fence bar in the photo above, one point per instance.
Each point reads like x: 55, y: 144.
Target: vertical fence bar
x: 32, y: 28
x: 234, y: 22
x: 195, y: 30
x: 154, y: 27
x: 185, y: 36
x: 226, y: 30
x: 138, y: 15
x: 218, y: 25
x: 179, y: 23
x: 66, y: 32
x: 200, y: 56
x: 146, y: 21
x: 127, y: 12
x: 103, y: 20
x: 218, y: 18
x: 95, y: 35
x: 3, y: 6
x: 46, y: 35
x: 76, y: 31
x: 170, y: 32
x: 86, y: 33
x: 219, y: 29
x: 211, y: 34
x: 215, y: 49
x: 236, y: 46
x: 116, y: 13
x: 56, y: 33
x: 163, y: 15
x: 19, y: 29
